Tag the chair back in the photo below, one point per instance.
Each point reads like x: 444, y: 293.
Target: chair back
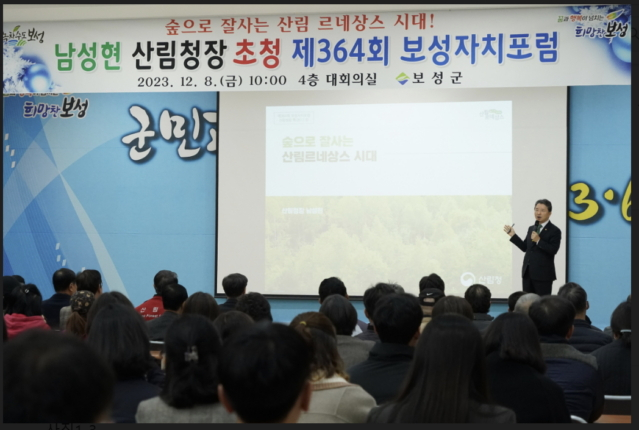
x: 616, y: 405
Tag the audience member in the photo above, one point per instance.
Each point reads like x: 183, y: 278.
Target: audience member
x: 190, y: 394
x: 398, y: 288
x: 397, y: 319
x: 20, y: 279
x: 230, y: 322
x: 452, y: 305
x: 256, y: 306
x: 446, y: 382
x: 343, y: 315
x: 201, y: 304
x: 104, y: 300
x: 334, y: 285
x: 479, y: 298
x: 614, y: 359
x: 585, y: 337
x: 173, y: 298
x: 263, y: 372
x: 51, y: 377
x: 119, y: 334
x: 154, y: 307
x: 523, y: 303
x: 427, y: 299
x: 81, y: 302
x: 5, y: 334
x: 334, y: 400
x: 516, y: 370
x: 608, y: 330
x: 371, y: 296
x: 432, y: 281
x: 8, y: 284
x: 88, y: 280
x: 25, y: 311
x: 576, y: 373
x: 64, y: 286
x: 512, y: 299
x: 234, y: 286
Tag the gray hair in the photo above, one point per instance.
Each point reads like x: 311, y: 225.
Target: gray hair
x: 524, y: 302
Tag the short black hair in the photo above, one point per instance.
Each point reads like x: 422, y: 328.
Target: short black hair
x: 173, y: 295
x: 452, y: 305
x: 263, y: 370
x: 231, y: 322
x: 512, y: 299
x: 25, y: 300
x: 478, y: 296
x: 202, y: 304
x: 552, y: 315
x: 544, y: 202
x: 234, y: 284
x: 575, y: 294
x: 102, y: 301
x: 62, y: 278
x: 331, y: 286
x: 54, y: 377
x: 19, y: 279
x: 373, y: 294
x: 164, y: 278
x: 89, y: 280
x: 432, y: 281
x: 397, y: 318
x: 341, y: 312
x: 621, y: 320
x: 256, y: 306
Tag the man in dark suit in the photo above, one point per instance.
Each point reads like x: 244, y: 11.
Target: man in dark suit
x: 540, y: 245
x: 173, y: 298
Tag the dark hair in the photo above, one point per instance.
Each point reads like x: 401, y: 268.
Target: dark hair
x: 164, y: 278
x: 514, y: 337
x: 575, y: 294
x: 230, y: 322
x: 89, y: 280
x: 552, y: 315
x: 373, y: 294
x: 432, y: 281
x: 173, y: 295
x: 341, y: 313
x: 452, y: 305
x: 544, y: 202
x: 234, y: 284
x: 81, y: 302
x: 102, y: 301
x: 192, y: 346
x: 19, y: 278
x: 621, y: 320
x: 9, y: 283
x: 256, y: 306
x: 331, y: 286
x: 62, y: 278
x: 397, y: 318
x: 512, y: 299
x: 478, y: 296
x: 120, y: 335
x: 26, y: 300
x: 447, y: 378
x: 202, y: 304
x: 53, y: 377
x: 263, y: 370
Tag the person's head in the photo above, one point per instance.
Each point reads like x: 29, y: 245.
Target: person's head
x: 162, y: 279
x: 25, y: 300
x: 341, y: 312
x: 553, y: 315
x: 512, y: 299
x: 575, y: 294
x: 81, y: 302
x: 447, y: 376
x: 104, y: 300
x: 524, y: 302
x: 330, y: 286
x: 234, y: 285
x: 428, y: 297
x: 372, y: 295
x: 514, y: 337
x: 256, y: 306
x: 8, y: 285
x: 89, y: 280
x: 231, y: 322
x: 397, y: 319
x: 191, y: 348
x: 543, y: 210
x: 452, y: 305
x: 64, y: 281
x: 620, y: 323
x: 432, y: 281
x: 478, y: 296
x: 263, y: 372
x: 53, y: 377
x: 119, y: 334
x: 202, y: 304
x: 19, y: 278
x: 173, y: 297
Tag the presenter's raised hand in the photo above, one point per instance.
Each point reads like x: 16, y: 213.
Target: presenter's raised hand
x: 509, y: 230
x: 534, y: 237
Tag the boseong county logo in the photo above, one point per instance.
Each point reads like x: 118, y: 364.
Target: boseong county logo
x: 20, y: 38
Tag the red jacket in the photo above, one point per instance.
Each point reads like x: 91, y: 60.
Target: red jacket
x: 152, y: 308
x: 17, y: 323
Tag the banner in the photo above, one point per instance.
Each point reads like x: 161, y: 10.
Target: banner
x: 563, y: 46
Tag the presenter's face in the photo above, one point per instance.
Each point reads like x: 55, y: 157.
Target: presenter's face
x: 541, y: 213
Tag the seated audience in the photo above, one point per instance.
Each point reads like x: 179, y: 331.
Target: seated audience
x: 173, y: 298
x: 51, y: 377
x: 263, y: 372
x: 88, y: 280
x: 256, y: 306
x: 479, y: 298
x: 189, y: 395
x: 397, y: 319
x: 371, y: 296
x: 452, y: 305
x: 432, y: 281
x: 153, y: 307
x: 585, y: 337
x: 516, y: 370
x: 398, y: 288
x: 446, y: 382
x: 234, y: 286
x: 343, y: 315
x: 81, y: 302
x: 427, y: 299
x: 512, y: 299
x: 230, y: 322
x: 20, y: 279
x: 334, y: 399
x: 576, y: 373
x: 119, y: 334
x: 104, y: 300
x: 334, y: 285
x: 614, y: 359
x: 608, y: 330
x: 201, y: 304
x: 524, y: 302
x: 25, y: 311
x: 64, y: 286
x: 8, y: 284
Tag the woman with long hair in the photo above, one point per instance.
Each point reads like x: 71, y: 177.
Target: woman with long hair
x: 202, y: 304
x: 24, y: 311
x: 81, y: 302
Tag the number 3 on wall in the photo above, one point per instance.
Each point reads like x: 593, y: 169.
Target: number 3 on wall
x: 592, y: 208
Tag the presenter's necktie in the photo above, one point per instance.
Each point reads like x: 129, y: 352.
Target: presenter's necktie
x: 539, y: 227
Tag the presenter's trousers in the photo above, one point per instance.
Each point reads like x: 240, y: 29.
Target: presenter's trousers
x: 541, y: 288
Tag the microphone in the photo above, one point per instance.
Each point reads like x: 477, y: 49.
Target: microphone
x: 536, y: 224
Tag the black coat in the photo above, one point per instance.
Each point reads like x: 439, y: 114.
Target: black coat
x: 614, y: 364
x: 540, y: 258
x: 51, y: 308
x: 228, y: 305
x: 586, y: 338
